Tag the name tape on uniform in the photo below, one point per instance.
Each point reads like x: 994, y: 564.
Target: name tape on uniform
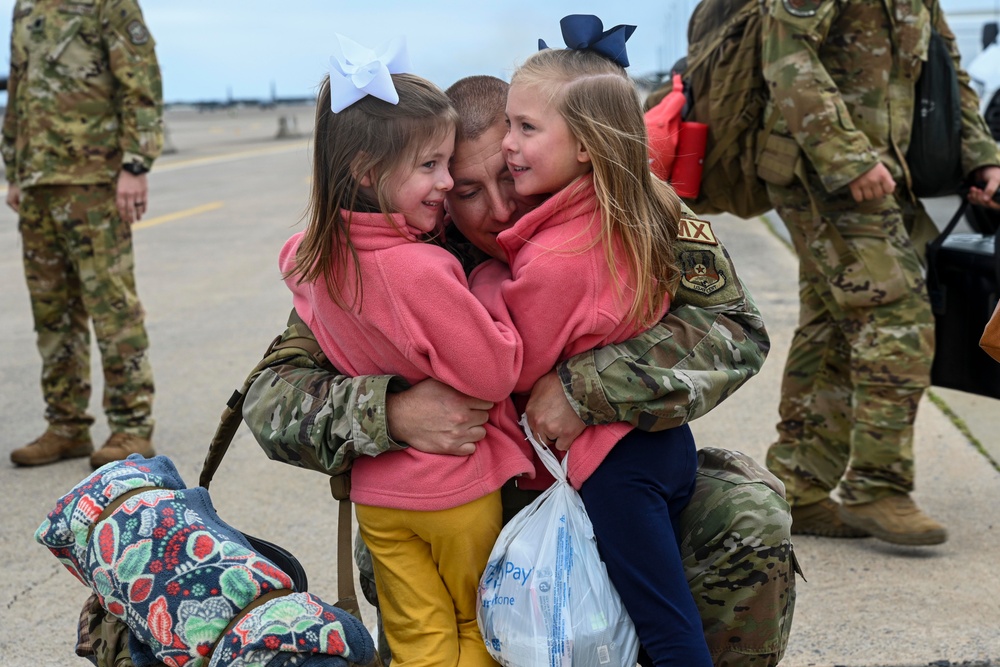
x: 696, y: 231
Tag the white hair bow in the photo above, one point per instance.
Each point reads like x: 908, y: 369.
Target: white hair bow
x: 357, y: 71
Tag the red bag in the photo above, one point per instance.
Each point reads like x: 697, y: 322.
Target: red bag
x: 663, y: 124
x: 676, y: 148
x: 685, y: 175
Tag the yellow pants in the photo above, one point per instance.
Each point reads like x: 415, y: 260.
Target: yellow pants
x: 427, y: 568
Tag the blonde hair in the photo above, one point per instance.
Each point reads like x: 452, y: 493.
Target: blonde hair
x: 369, y: 137
x: 602, y: 110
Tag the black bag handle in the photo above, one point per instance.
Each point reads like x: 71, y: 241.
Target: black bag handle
x: 937, y: 294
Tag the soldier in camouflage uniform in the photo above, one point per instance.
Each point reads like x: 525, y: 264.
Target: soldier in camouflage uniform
x: 736, y: 546
x: 735, y: 533
x: 841, y: 76
x: 83, y: 126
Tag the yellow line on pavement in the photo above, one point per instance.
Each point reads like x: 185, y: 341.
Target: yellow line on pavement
x: 215, y: 159
x: 228, y: 157
x: 187, y: 213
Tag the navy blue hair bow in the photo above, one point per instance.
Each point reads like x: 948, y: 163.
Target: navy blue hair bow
x: 585, y: 31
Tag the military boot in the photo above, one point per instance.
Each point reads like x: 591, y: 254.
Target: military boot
x: 119, y: 446
x: 895, y: 519
x: 821, y: 519
x: 50, y: 448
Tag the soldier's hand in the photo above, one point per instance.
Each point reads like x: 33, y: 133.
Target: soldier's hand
x: 14, y: 197
x: 432, y: 417
x: 131, y: 196
x: 987, y: 181
x: 875, y: 183
x: 550, y: 415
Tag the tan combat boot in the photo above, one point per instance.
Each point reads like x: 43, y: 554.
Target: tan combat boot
x: 119, y: 446
x: 821, y: 519
x: 895, y: 519
x: 50, y: 448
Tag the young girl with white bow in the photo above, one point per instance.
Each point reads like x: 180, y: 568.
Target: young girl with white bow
x: 382, y: 301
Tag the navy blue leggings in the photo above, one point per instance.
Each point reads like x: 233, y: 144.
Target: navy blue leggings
x: 634, y: 499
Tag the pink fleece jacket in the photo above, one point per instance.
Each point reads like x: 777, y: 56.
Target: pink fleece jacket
x: 561, y: 297
x: 418, y: 319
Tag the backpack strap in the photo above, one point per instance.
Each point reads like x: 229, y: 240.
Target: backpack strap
x: 297, y: 341
x: 300, y: 342
x: 347, y: 596
x: 936, y: 291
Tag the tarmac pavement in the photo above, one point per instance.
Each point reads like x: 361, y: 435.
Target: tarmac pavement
x: 220, y: 208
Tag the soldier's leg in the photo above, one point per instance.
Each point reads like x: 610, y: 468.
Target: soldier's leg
x: 876, y: 282
x: 57, y: 306
x: 876, y: 288
x: 101, y: 246
x: 891, y: 370
x: 813, y: 444
x: 736, y: 549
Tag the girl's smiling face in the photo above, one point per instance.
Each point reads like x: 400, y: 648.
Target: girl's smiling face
x: 418, y: 191
x: 541, y: 152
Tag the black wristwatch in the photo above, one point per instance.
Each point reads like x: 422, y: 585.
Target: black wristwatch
x: 135, y: 168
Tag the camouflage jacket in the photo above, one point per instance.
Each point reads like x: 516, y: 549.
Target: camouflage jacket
x: 708, y: 346
x: 84, y: 93
x: 842, y: 74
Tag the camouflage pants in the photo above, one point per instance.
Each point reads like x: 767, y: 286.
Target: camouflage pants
x: 861, y: 355
x: 78, y: 264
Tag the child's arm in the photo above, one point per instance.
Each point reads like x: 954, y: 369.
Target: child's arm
x: 553, y: 304
x: 448, y: 333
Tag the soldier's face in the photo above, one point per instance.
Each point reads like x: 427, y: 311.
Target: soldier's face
x: 483, y: 201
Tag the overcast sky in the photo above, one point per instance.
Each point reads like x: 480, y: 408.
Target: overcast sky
x: 209, y: 49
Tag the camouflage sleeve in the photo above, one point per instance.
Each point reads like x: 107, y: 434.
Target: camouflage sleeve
x: 7, y: 145
x: 737, y: 554
x: 712, y: 342
x: 979, y: 149
x: 808, y: 99
x: 132, y: 57
x: 103, y: 639
x: 312, y: 417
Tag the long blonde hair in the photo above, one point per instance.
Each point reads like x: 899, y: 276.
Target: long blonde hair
x: 369, y: 137
x: 602, y: 110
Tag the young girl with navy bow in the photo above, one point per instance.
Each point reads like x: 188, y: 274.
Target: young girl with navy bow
x: 591, y: 266
x: 381, y: 301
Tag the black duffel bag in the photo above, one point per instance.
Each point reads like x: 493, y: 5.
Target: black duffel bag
x: 963, y: 279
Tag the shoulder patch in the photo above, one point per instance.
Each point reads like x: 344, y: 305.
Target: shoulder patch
x: 696, y: 231
x: 700, y: 273
x: 802, y: 8
x: 137, y: 32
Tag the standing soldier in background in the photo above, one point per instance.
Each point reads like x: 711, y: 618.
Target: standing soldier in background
x: 84, y: 123
x: 841, y: 74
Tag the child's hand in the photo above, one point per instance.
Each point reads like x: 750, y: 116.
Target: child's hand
x: 550, y: 415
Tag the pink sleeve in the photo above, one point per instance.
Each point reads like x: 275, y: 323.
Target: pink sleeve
x: 554, y: 304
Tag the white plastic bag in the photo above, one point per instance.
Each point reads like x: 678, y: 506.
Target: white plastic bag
x: 545, y: 597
